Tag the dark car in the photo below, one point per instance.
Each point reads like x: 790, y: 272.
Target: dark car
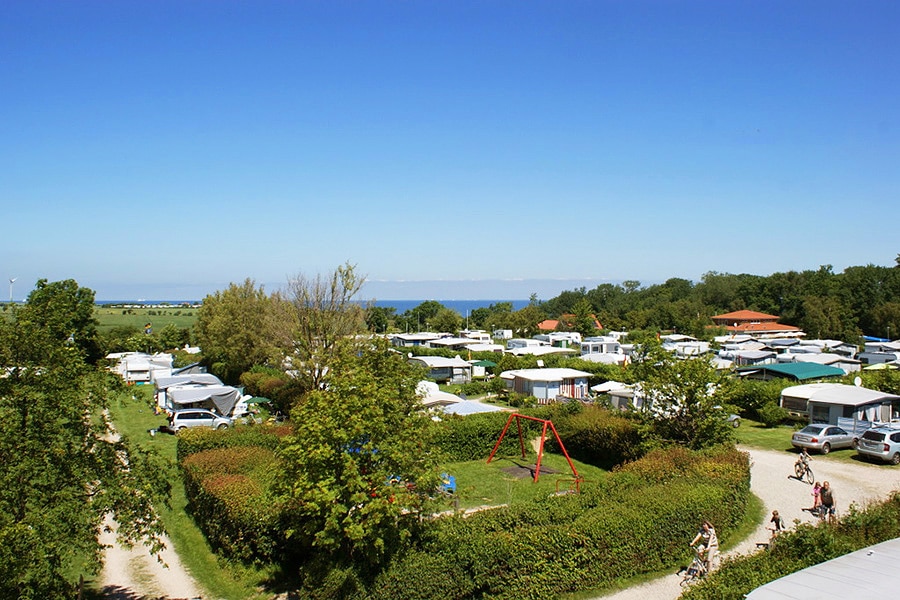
x: 823, y: 437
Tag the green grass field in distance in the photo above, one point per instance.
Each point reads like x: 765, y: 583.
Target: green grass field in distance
x: 110, y: 317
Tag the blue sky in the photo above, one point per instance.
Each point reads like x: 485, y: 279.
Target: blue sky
x: 485, y: 149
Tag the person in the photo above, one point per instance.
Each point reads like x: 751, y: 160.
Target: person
x: 777, y: 524
x: 817, y: 497
x: 803, y: 459
x: 828, y: 503
x: 710, y: 544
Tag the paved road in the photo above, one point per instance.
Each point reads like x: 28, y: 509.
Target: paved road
x: 857, y: 483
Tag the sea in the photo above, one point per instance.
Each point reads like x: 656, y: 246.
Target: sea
x: 463, y: 307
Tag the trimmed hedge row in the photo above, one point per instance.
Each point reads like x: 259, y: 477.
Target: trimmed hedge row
x: 474, y: 436
x: 807, y: 545
x: 227, y: 490
x: 198, y: 439
x: 638, y: 520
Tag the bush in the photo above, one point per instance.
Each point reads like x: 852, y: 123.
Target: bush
x: 227, y: 496
x: 636, y: 521
x: 772, y: 415
x: 198, y: 439
x: 474, y: 436
x: 598, y: 437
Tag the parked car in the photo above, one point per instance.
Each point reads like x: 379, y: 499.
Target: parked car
x: 197, y: 417
x: 882, y: 443
x: 823, y: 438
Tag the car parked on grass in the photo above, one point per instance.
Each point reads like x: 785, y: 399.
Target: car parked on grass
x: 197, y: 417
x: 882, y: 443
x: 823, y: 438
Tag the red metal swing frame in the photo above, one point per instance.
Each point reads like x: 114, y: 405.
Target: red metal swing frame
x: 547, y: 423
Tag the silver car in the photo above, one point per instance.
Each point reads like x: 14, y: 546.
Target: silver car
x: 197, y: 417
x: 882, y: 443
x: 823, y: 438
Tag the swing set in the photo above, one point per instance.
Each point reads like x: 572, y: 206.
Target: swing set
x: 546, y: 423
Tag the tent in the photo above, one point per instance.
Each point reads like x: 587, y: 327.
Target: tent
x: 220, y: 398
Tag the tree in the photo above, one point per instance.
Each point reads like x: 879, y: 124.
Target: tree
x: 380, y: 318
x: 241, y: 327
x: 584, y: 321
x: 324, y: 313
x: 63, y: 469
x: 446, y: 319
x: 359, y: 456
x: 66, y: 311
x: 680, y: 399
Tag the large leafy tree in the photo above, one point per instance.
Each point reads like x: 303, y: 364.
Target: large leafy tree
x: 352, y: 439
x: 66, y: 311
x: 241, y: 327
x: 63, y: 468
x: 681, y: 399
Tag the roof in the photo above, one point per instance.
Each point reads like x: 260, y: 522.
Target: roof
x: 866, y: 573
x: 468, y: 407
x: 849, y: 395
x: 799, y: 371
x: 540, y: 350
x: 557, y: 374
x: 744, y: 315
x: 441, y: 361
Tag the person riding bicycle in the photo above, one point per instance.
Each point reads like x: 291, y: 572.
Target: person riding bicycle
x: 804, y: 458
x: 710, y: 544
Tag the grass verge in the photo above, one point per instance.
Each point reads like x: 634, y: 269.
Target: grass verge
x: 133, y: 417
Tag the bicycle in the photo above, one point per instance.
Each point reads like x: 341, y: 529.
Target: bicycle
x: 697, y: 570
x: 802, y: 471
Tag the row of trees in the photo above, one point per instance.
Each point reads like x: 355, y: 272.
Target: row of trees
x: 859, y: 300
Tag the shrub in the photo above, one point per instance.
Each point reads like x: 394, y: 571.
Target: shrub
x: 638, y: 520
x: 772, y: 415
x: 227, y: 496
x: 598, y: 437
x: 474, y: 436
x: 198, y: 439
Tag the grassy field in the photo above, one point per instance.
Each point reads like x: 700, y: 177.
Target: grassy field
x: 112, y: 317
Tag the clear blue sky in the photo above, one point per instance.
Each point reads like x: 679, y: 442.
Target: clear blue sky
x: 163, y: 149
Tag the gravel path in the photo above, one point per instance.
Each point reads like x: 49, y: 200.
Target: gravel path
x: 856, y: 483
x: 137, y: 575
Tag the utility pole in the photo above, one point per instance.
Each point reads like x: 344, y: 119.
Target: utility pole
x: 12, y: 280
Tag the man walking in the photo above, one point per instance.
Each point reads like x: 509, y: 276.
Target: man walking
x: 829, y: 506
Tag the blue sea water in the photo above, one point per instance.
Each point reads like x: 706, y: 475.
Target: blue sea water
x: 463, y: 307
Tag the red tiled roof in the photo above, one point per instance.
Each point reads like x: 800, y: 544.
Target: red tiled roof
x: 744, y: 315
x: 552, y: 324
x: 769, y: 327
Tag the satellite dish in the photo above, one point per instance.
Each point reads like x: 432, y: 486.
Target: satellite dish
x: 540, y: 363
x: 857, y: 381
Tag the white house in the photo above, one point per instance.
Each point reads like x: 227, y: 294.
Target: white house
x: 441, y: 368
x: 549, y: 384
x: 139, y: 367
x: 421, y: 338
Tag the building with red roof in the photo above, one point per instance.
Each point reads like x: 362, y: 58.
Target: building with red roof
x: 754, y: 323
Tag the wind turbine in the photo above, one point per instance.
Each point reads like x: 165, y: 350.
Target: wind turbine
x: 12, y: 280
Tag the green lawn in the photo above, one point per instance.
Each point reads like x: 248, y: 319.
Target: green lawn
x: 110, y: 317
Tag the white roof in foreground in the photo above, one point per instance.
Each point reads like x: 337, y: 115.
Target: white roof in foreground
x: 549, y: 374
x: 866, y: 573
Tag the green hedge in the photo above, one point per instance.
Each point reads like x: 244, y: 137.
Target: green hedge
x: 474, y: 436
x: 198, y: 439
x: 639, y: 520
x: 227, y: 490
x: 598, y: 437
x: 803, y: 547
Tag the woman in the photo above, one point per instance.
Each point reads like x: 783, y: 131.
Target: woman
x: 710, y: 546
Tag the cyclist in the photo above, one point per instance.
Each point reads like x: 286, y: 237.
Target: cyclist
x: 710, y: 545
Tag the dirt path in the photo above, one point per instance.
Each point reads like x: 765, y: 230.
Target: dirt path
x: 856, y: 483
x: 137, y: 575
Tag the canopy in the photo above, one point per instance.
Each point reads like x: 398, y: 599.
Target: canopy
x: 222, y: 397
x: 484, y: 363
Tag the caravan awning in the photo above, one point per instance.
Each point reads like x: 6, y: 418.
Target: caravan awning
x: 223, y: 397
